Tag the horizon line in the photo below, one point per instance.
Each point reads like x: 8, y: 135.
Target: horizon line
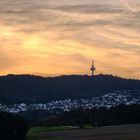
x: 60, y: 75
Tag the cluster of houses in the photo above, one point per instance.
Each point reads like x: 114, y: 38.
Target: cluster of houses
x: 108, y: 100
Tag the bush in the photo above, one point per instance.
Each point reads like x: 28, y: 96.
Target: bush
x: 12, y: 127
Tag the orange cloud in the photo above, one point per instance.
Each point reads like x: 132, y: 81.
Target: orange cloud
x: 54, y: 38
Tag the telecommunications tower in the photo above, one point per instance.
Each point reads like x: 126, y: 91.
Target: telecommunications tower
x: 92, y: 68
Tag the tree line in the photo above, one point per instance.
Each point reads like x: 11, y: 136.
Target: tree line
x: 121, y: 114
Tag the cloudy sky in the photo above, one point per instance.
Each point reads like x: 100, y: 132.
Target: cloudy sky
x: 54, y: 37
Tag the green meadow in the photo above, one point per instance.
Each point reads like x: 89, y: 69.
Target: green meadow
x: 119, y: 132
x: 34, y: 133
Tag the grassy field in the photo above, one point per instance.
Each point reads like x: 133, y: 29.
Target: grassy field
x: 34, y: 133
x: 122, y: 132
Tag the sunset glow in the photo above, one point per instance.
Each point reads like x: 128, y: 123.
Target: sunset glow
x: 57, y: 37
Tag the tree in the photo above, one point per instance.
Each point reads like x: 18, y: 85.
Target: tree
x: 12, y: 127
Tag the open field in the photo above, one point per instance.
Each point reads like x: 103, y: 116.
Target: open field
x: 35, y: 132
x: 122, y: 132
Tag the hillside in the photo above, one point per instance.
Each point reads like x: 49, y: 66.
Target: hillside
x: 35, y: 89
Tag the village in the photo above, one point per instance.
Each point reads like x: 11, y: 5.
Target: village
x: 108, y: 100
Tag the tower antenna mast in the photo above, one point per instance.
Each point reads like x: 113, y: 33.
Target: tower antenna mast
x: 92, y: 68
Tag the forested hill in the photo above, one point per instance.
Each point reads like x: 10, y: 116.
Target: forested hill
x: 35, y: 89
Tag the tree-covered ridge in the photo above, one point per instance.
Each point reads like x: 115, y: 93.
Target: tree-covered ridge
x: 35, y: 89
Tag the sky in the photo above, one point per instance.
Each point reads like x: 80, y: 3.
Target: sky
x: 58, y: 37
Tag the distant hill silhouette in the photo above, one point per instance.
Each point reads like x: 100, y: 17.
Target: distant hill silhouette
x: 36, y: 89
